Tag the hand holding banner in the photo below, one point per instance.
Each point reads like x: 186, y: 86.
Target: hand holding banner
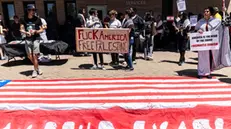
x: 205, y: 41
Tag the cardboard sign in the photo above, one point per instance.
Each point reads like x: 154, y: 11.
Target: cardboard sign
x: 206, y: 41
x: 181, y: 5
x: 193, y: 20
x: 102, y: 40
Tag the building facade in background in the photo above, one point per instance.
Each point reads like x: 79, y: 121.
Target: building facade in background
x: 61, y: 9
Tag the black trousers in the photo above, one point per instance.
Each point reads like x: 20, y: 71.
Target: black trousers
x: 135, y: 47
x: 96, y: 59
x: 115, y: 57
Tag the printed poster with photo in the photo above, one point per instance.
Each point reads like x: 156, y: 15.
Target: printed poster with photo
x: 181, y: 5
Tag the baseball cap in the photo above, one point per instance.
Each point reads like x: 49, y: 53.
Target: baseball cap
x: 216, y: 9
x: 30, y: 6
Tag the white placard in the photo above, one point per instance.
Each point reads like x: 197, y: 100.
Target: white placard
x: 193, y: 20
x: 205, y: 41
x: 181, y: 5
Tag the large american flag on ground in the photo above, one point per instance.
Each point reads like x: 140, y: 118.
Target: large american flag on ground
x: 124, y: 92
x: 108, y: 97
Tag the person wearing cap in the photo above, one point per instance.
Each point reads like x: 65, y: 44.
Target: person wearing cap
x: 31, y: 26
x: 216, y: 13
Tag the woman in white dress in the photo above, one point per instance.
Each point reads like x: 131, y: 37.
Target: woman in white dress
x: 206, y: 58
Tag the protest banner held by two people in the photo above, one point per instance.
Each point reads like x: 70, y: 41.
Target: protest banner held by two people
x: 102, y: 40
x: 205, y: 41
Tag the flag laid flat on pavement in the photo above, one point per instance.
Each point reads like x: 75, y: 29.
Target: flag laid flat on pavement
x: 115, y: 103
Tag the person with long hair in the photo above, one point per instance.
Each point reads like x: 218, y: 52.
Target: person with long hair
x: 148, y: 33
x: 94, y: 22
x: 206, y: 58
x: 183, y: 27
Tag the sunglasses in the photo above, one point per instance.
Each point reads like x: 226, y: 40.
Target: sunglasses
x: 31, y: 10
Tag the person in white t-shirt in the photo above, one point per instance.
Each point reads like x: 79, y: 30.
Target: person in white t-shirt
x: 43, y: 35
x: 114, y: 23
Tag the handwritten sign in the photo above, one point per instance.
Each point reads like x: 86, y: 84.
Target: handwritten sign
x: 102, y: 40
x: 206, y: 41
x: 193, y: 20
x: 181, y: 5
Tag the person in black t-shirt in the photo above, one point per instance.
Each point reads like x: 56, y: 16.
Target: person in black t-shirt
x: 15, y: 29
x: 31, y: 26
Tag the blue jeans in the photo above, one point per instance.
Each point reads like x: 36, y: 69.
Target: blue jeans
x: 128, y: 56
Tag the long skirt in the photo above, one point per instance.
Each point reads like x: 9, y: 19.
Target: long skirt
x: 204, y: 63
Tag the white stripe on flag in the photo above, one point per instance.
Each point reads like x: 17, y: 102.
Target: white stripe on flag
x: 141, y: 105
x: 114, y: 86
x: 115, y: 81
x: 118, y: 92
x: 151, y: 97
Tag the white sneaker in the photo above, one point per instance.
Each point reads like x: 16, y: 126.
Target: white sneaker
x: 150, y: 58
x: 34, y: 74
x: 101, y: 67
x: 39, y: 72
x: 94, y: 67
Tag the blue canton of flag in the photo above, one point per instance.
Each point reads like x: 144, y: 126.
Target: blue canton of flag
x: 3, y: 82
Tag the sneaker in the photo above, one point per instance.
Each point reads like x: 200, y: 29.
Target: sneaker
x: 4, y: 58
x: 199, y: 77
x: 124, y: 63
x: 180, y: 63
x: 134, y: 62
x: 111, y: 63
x: 39, y: 71
x: 150, y: 58
x: 209, y: 77
x: 101, y: 67
x: 34, y: 74
x: 94, y: 67
x: 129, y: 69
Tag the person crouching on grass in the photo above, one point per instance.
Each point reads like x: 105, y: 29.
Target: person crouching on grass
x: 31, y: 26
x: 94, y: 22
x: 128, y: 23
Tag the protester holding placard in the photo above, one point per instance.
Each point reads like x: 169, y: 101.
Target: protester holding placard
x: 183, y: 27
x: 205, y: 58
x: 114, y: 23
x: 128, y: 23
x: 94, y: 22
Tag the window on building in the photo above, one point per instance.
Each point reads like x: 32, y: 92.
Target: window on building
x: 50, y: 8
x: 26, y: 3
x: 70, y: 8
x: 9, y: 12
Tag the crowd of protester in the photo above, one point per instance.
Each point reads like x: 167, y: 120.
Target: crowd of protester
x: 148, y: 33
